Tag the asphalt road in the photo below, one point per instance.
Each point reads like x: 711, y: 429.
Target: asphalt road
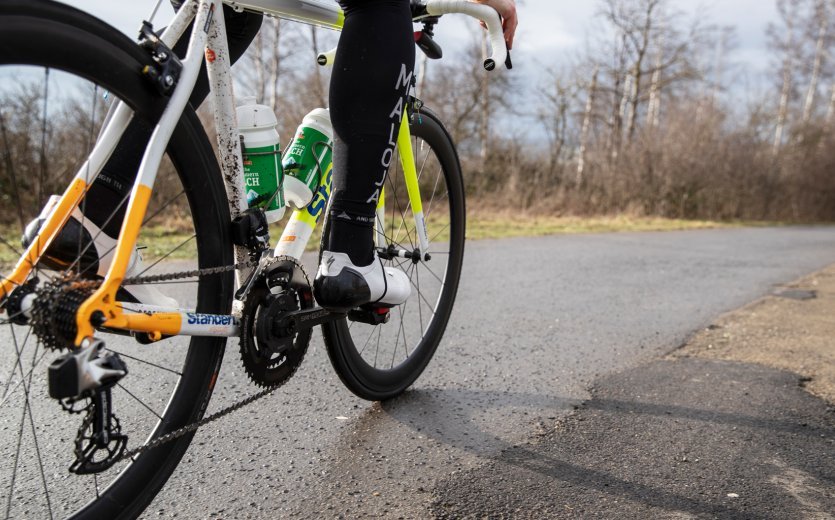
x: 536, y: 321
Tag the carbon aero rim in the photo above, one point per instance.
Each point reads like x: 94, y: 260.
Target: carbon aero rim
x: 61, y: 70
x: 379, y: 362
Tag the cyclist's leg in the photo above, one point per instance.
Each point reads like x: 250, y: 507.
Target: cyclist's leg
x: 116, y: 178
x: 371, y: 78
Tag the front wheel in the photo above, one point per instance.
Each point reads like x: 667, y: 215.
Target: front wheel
x: 379, y: 362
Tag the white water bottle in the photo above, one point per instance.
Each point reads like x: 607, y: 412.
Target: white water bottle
x: 263, y: 174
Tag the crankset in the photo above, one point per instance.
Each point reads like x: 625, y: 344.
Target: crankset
x: 270, y: 353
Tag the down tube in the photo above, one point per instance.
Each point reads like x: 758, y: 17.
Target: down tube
x: 407, y: 161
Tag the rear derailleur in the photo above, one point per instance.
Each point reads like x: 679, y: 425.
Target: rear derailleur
x: 82, y: 381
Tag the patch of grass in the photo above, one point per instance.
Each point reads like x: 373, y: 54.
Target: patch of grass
x: 159, y: 240
x: 504, y: 225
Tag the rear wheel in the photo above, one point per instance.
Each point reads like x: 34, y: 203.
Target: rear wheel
x: 60, y: 70
x: 378, y: 362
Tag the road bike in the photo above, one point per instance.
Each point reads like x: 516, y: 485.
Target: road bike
x: 101, y: 395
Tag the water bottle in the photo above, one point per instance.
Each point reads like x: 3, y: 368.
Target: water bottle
x: 262, y: 158
x: 308, y: 159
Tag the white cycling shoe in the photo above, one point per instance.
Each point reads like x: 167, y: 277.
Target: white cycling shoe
x: 95, y: 260
x: 342, y: 286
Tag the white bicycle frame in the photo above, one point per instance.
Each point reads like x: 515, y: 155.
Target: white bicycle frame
x: 207, y: 38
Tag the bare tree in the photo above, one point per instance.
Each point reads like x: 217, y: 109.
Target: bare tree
x: 783, y: 41
x: 821, y: 10
x: 586, y: 127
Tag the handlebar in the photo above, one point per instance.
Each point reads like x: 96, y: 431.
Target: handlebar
x: 485, y: 13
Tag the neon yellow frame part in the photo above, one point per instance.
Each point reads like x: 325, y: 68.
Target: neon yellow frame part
x: 407, y: 160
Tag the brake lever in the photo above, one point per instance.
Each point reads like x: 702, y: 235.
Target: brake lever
x: 429, y: 46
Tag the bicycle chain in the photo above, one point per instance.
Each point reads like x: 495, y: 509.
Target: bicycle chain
x: 140, y: 280
x: 176, y: 434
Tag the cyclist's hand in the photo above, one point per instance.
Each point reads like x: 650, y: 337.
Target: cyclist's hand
x: 507, y: 10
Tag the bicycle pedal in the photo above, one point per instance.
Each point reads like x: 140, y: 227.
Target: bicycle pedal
x: 370, y: 315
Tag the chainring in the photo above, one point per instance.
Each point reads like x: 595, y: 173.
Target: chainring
x: 271, y: 358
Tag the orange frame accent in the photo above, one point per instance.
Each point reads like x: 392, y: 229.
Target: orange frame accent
x: 104, y: 299
x: 56, y: 220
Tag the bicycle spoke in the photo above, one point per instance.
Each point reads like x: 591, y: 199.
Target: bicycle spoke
x: 43, y: 134
x: 147, y: 219
x: 420, y: 309
x: 138, y: 400
x: 20, y: 383
x: 367, y: 340
x: 122, y: 354
x: 399, y: 208
x: 439, y: 232
x: 27, y: 410
x: 434, y: 191
x: 87, y: 181
x: 186, y: 241
x: 377, y: 352
x: 17, y: 361
x: 422, y: 297
x: 13, y: 249
x: 10, y: 166
x: 15, y: 465
x: 432, y: 273
x: 92, y: 242
x: 37, y: 445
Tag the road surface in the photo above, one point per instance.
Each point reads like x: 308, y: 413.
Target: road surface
x: 536, y: 322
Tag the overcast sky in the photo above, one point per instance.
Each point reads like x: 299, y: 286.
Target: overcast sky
x: 549, y: 29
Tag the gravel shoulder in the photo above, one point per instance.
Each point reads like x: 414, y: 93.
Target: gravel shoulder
x: 792, y: 330
x: 739, y: 422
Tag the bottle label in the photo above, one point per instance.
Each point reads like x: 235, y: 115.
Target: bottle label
x: 309, y: 156
x: 262, y: 177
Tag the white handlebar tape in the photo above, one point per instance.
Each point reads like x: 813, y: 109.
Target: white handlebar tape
x: 484, y: 13
x: 440, y: 7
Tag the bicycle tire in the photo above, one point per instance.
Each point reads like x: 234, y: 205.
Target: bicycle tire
x: 365, y: 378
x: 55, y: 36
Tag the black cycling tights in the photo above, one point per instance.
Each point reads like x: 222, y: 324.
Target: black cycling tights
x: 371, y: 76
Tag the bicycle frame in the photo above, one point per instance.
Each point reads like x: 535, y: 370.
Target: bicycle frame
x: 209, y: 39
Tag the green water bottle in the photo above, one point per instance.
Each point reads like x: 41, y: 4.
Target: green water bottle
x: 308, y: 158
x: 262, y: 158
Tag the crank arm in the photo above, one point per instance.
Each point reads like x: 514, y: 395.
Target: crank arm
x: 294, y: 322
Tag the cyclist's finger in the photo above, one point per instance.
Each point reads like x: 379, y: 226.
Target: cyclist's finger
x: 507, y: 10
